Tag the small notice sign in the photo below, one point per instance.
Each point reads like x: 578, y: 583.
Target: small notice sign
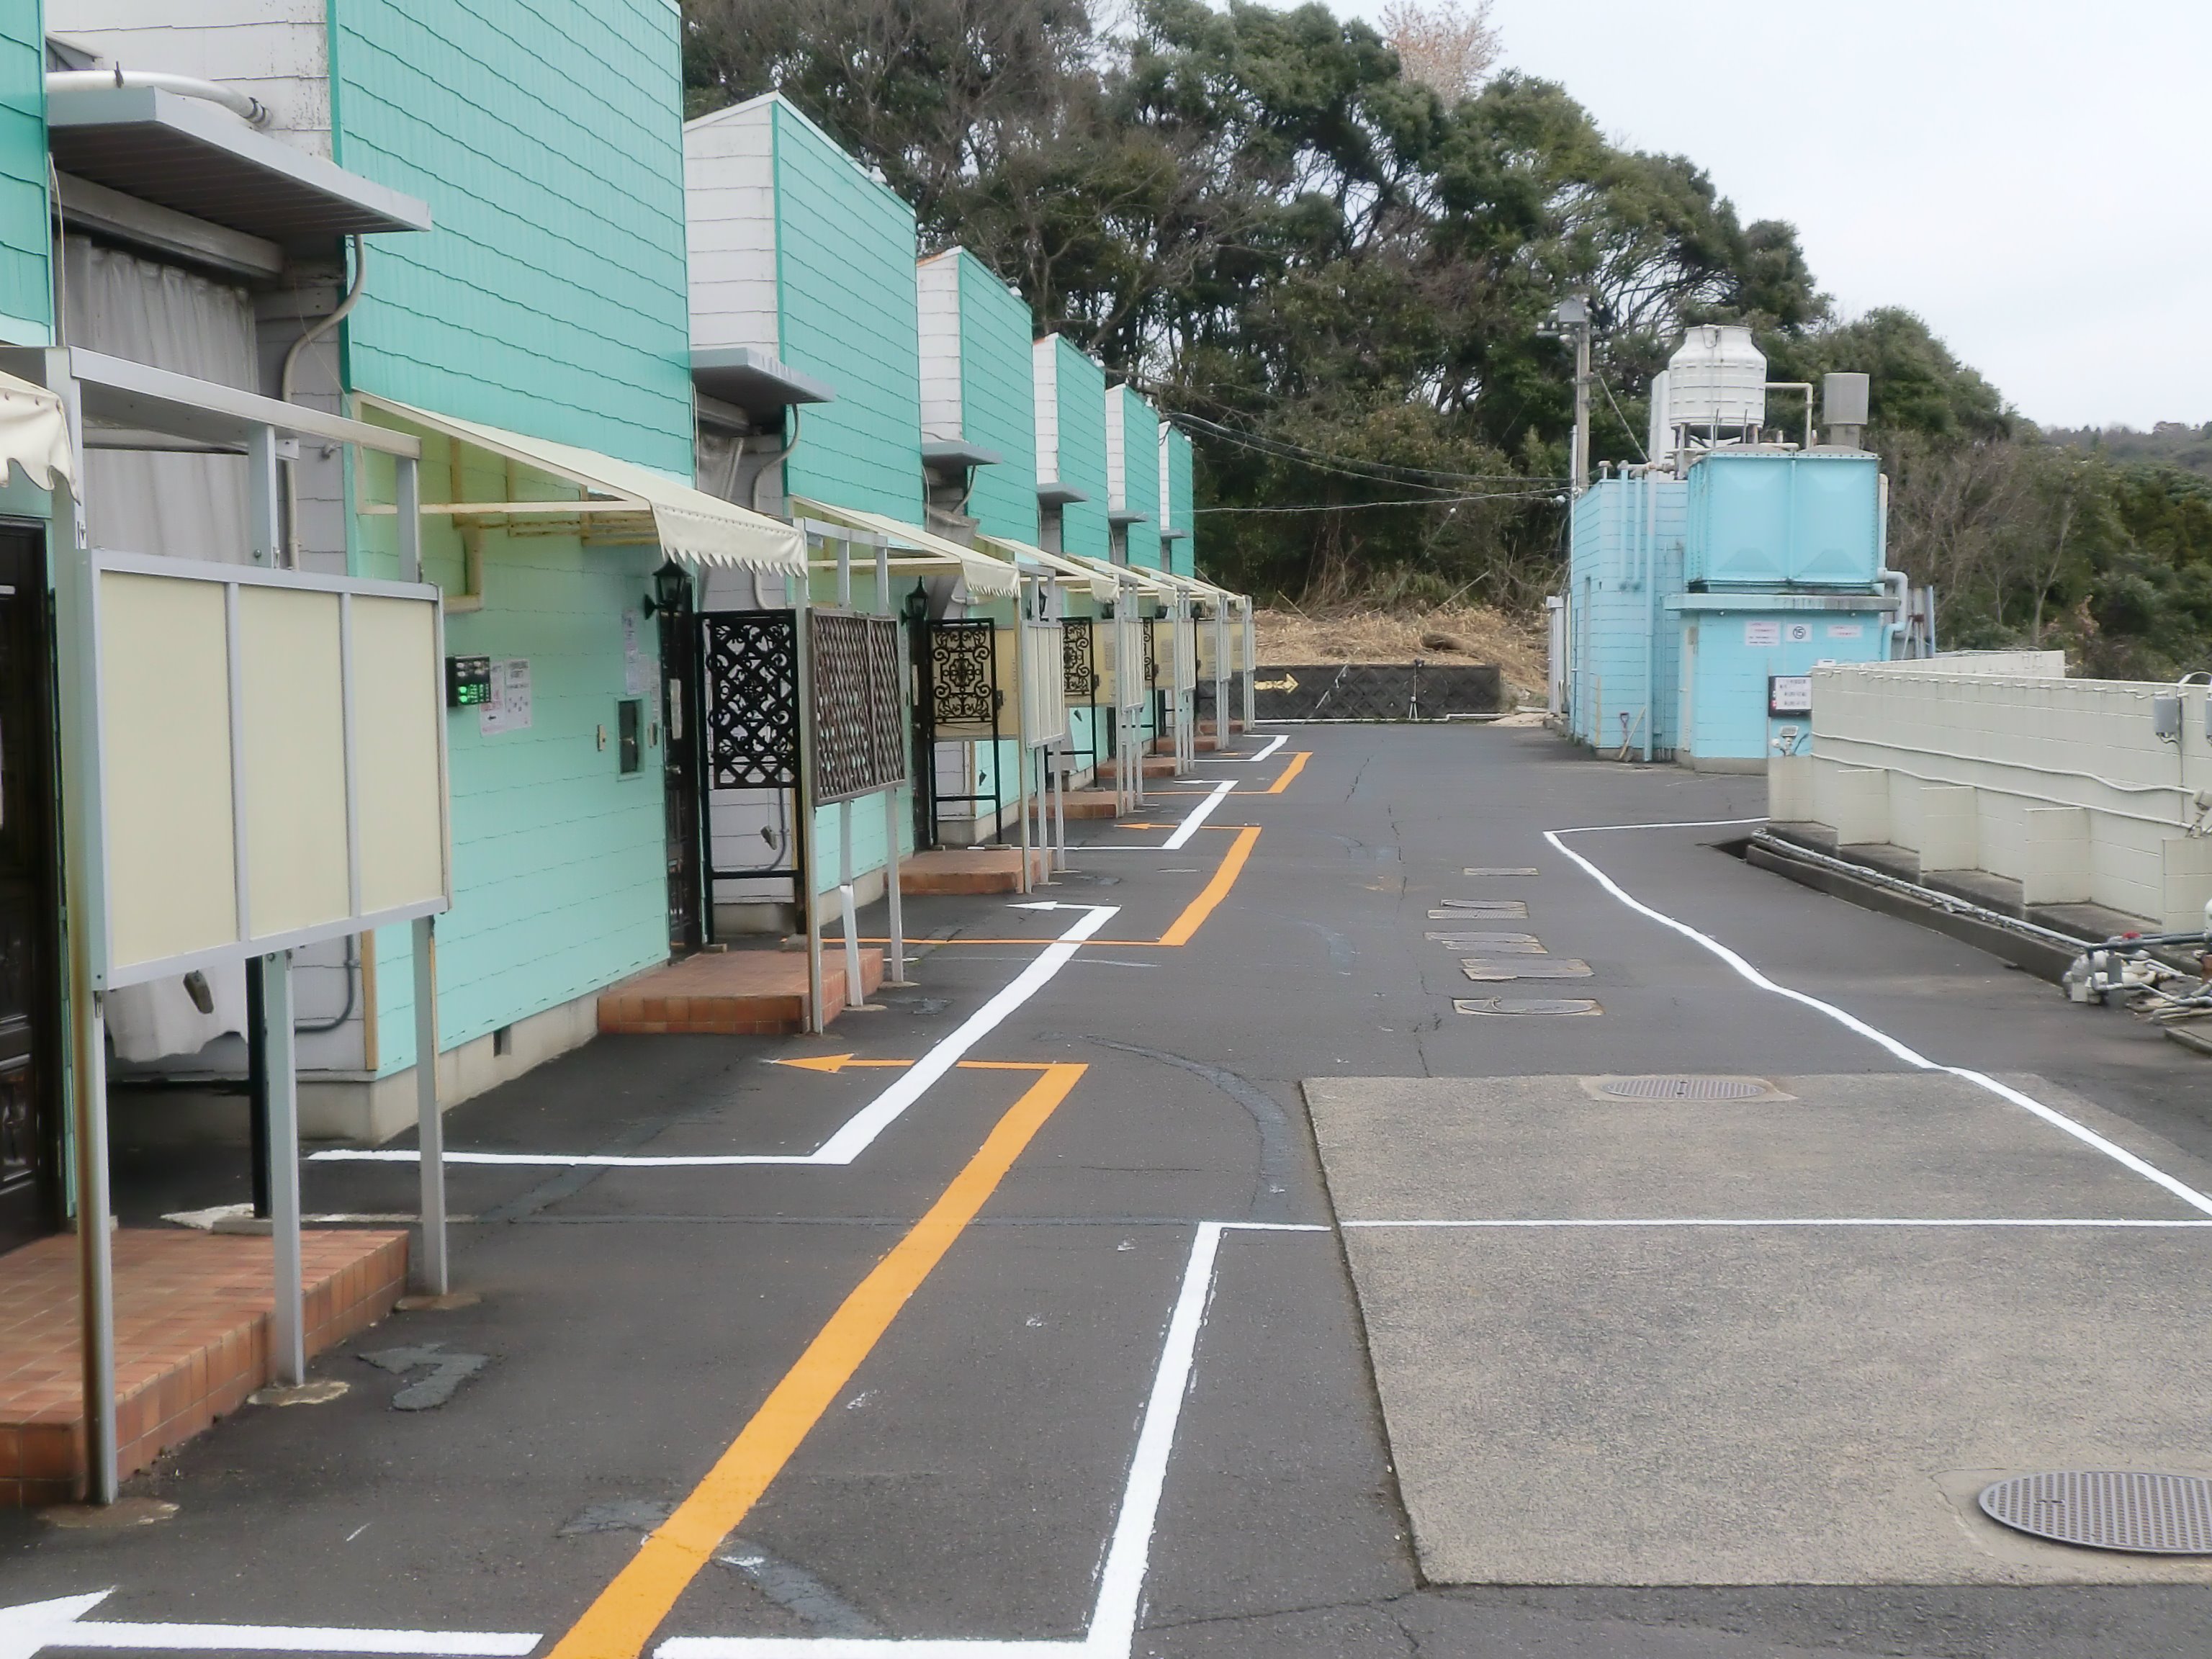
x: 1789, y: 693
x: 507, y: 708
x: 1797, y: 632
x: 634, y: 680
x: 1844, y: 630
x: 1762, y: 633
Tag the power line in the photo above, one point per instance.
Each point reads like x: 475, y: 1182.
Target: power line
x: 1415, y: 500
x: 1282, y: 448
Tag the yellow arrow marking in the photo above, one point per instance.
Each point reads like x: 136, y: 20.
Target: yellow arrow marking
x: 1288, y: 683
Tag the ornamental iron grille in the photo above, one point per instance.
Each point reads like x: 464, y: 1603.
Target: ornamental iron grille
x: 1151, y: 651
x: 859, y: 704
x: 1079, y: 679
x: 749, y: 682
x: 963, y: 675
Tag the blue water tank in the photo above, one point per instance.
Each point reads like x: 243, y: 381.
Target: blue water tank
x: 1777, y: 520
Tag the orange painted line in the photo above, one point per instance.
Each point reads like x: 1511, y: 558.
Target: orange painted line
x: 1297, y: 765
x: 627, y: 1613
x: 1193, y: 916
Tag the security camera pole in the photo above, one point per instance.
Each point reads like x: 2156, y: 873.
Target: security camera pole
x: 1572, y: 316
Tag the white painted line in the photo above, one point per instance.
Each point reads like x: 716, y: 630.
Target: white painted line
x: 26, y: 1630
x: 1911, y: 1057
x: 1113, y: 1629
x: 1274, y: 743
x: 1184, y: 831
x: 859, y: 1130
x: 1198, y: 815
x: 1801, y: 1221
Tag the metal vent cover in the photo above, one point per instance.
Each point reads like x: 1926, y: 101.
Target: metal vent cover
x: 1567, y: 1006
x: 2108, y: 1510
x: 1685, y: 1087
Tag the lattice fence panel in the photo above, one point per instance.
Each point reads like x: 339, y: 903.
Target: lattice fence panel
x: 860, y: 714
x: 750, y: 661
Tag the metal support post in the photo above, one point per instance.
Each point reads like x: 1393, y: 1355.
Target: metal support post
x: 430, y: 1124
x: 95, y: 1256
x: 1022, y: 723
x: 264, y: 531
x: 407, y: 498
x: 256, y: 1093
x: 894, y: 900
x: 855, y: 995
x: 288, y: 1324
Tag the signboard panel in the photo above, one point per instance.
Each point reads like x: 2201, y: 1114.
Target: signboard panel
x: 272, y: 760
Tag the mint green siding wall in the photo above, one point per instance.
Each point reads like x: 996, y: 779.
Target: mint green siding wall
x: 26, y: 230
x: 1140, y: 471
x: 550, y: 299
x: 548, y: 141
x: 1083, y: 452
x: 845, y: 250
x: 1180, y: 503
x: 997, y: 400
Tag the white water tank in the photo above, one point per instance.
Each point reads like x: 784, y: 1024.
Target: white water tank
x: 1716, y: 379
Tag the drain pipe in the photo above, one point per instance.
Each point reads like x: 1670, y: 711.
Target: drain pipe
x: 245, y: 108
x: 773, y: 461
x: 1650, y: 608
x: 285, y: 392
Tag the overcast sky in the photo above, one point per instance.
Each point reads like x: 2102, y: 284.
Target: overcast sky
x: 2033, y: 177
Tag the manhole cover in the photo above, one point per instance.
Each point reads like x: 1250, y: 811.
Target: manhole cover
x: 1526, y: 1005
x: 2108, y: 1510
x: 1526, y: 967
x: 1683, y: 1088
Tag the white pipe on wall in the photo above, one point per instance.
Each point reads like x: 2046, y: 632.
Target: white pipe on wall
x: 183, y: 86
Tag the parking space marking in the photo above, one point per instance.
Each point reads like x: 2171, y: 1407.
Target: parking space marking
x: 859, y: 1132
x: 1796, y: 1221
x: 1911, y: 1057
x: 1297, y: 765
x: 1112, y: 1631
x: 623, y: 1617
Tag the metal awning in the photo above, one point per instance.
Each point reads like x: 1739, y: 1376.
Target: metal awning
x: 1051, y: 492
x: 614, y: 501
x: 34, y: 433
x: 957, y: 451
x: 187, y: 155
x: 754, y: 380
x: 1153, y: 582
x: 987, y: 578
x: 1064, y: 569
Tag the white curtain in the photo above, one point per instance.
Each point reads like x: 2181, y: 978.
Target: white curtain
x: 191, y: 507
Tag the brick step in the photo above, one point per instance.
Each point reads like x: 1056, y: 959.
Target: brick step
x: 971, y: 869
x: 1090, y: 803
x: 192, y: 1339
x: 750, y: 993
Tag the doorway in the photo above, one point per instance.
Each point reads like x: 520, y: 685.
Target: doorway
x: 30, y: 1000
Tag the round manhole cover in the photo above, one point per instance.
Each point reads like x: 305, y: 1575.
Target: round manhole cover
x: 1684, y: 1088
x: 2108, y: 1510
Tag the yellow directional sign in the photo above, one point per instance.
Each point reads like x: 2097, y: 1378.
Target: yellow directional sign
x: 1288, y: 683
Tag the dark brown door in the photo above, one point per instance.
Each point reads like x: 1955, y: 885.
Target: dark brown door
x: 30, y: 1070
x: 679, y: 755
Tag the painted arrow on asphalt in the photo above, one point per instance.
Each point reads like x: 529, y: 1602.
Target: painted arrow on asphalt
x: 33, y: 1626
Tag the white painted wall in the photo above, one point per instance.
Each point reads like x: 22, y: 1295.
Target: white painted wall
x: 2067, y: 788
x: 729, y: 212
x: 275, y: 50
x: 1044, y: 363
x: 937, y: 285
x: 1117, y: 450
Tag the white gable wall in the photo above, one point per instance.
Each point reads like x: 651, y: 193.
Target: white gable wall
x: 729, y: 212
x: 1044, y: 359
x: 936, y: 284
x: 276, y: 50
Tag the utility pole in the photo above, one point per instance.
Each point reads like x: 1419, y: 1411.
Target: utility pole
x: 1571, y: 318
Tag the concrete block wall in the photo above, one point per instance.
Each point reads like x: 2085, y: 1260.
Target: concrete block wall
x: 2061, y: 785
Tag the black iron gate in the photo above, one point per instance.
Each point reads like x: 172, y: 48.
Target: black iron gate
x: 746, y: 712
x: 1079, y: 683
x: 955, y: 697
x: 679, y: 757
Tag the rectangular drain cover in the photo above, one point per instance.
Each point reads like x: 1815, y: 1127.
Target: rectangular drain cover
x: 1494, y: 1005
x: 1479, y: 968
x: 1466, y: 909
x: 1521, y: 870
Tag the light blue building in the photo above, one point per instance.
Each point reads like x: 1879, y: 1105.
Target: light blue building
x: 1704, y: 588
x: 1178, y: 532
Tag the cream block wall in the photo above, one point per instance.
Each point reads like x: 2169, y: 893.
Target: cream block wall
x: 1993, y: 762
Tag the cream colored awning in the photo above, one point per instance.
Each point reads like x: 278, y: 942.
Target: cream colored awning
x: 1065, y: 570
x: 1146, y: 581
x: 34, y: 433
x: 987, y: 578
x: 613, y: 500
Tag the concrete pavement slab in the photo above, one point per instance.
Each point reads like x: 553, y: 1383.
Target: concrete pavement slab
x: 1674, y: 1406
x: 1893, y: 1144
